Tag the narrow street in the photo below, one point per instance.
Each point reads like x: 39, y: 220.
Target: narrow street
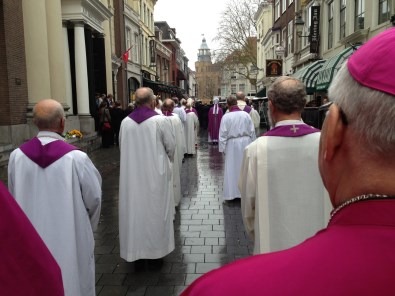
x: 208, y: 233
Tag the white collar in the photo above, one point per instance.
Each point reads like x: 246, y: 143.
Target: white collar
x: 48, y: 134
x: 289, y: 122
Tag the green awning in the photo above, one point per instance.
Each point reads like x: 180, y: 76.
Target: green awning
x: 330, y: 68
x: 308, y: 75
x: 261, y: 93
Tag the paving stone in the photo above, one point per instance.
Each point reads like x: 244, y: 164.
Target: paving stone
x: 200, y: 216
x: 190, y: 233
x: 142, y: 279
x: 136, y: 290
x: 171, y: 279
x: 218, y: 258
x: 105, y: 268
x: 160, y: 291
x: 201, y: 250
x: 206, y: 212
x: 212, y: 234
x: 112, y: 279
x: 104, y: 249
x: 220, y: 250
x: 113, y: 291
x: 183, y: 268
x: 206, y: 267
x: 194, y: 241
x: 193, y: 258
x: 200, y: 227
x: 213, y: 241
x: 191, y: 277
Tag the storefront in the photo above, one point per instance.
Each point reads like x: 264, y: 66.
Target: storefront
x: 330, y: 68
x: 308, y: 75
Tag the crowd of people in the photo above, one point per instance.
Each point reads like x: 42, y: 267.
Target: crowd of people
x: 318, y: 205
x: 109, y: 117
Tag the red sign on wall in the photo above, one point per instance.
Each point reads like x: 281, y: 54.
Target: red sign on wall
x: 274, y: 68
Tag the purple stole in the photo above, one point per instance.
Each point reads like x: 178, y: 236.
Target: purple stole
x: 141, y: 114
x: 191, y: 110
x: 27, y: 266
x: 45, y: 155
x: 292, y: 130
x: 234, y: 109
x: 247, y: 109
x: 167, y: 113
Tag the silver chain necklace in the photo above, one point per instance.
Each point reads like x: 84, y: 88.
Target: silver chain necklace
x: 360, y: 198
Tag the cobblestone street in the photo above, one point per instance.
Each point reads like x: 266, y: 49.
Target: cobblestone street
x: 208, y: 233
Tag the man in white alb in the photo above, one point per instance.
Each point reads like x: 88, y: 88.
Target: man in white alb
x: 178, y: 129
x: 235, y: 133
x: 146, y: 208
x: 282, y: 195
x: 242, y: 104
x: 59, y: 189
x: 191, y: 128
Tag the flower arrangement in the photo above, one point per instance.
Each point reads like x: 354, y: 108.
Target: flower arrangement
x: 73, y: 134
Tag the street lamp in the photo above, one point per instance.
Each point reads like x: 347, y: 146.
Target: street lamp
x: 299, y: 25
x: 280, y: 51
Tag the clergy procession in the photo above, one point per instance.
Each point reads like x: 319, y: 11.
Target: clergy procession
x: 233, y: 209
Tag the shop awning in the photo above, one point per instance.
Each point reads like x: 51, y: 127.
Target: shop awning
x: 308, y: 75
x: 330, y: 68
x: 261, y: 93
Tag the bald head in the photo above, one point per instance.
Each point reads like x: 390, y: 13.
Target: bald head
x: 240, y: 96
x: 288, y: 95
x: 48, y: 115
x: 145, y: 97
x: 168, y: 105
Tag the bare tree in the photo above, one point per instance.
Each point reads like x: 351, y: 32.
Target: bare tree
x: 236, y: 36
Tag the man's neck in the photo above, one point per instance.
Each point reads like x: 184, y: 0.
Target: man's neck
x: 281, y: 117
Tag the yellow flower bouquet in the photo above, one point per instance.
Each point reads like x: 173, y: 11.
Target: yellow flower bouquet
x: 73, y: 134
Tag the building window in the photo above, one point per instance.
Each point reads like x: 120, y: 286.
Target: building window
x: 128, y: 41
x: 233, y: 88
x: 145, y: 15
x: 342, y: 19
x: 277, y: 9
x: 135, y: 49
x: 242, y: 87
x: 290, y: 37
x: 330, y: 25
x: 359, y: 14
x: 290, y: 1
x: 284, y: 6
x: 384, y: 11
x: 284, y: 40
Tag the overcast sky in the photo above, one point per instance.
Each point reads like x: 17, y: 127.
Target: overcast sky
x: 191, y: 19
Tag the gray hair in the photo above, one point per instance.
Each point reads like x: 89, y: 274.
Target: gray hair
x: 369, y: 112
x: 144, y: 96
x: 48, y: 116
x: 287, y: 94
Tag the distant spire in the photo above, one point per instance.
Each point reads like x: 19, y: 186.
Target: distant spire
x: 204, y: 51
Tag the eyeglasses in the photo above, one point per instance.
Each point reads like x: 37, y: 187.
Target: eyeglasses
x: 342, y: 114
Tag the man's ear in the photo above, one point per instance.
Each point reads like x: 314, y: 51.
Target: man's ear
x: 334, y: 132
x: 62, y: 124
x: 271, y: 106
